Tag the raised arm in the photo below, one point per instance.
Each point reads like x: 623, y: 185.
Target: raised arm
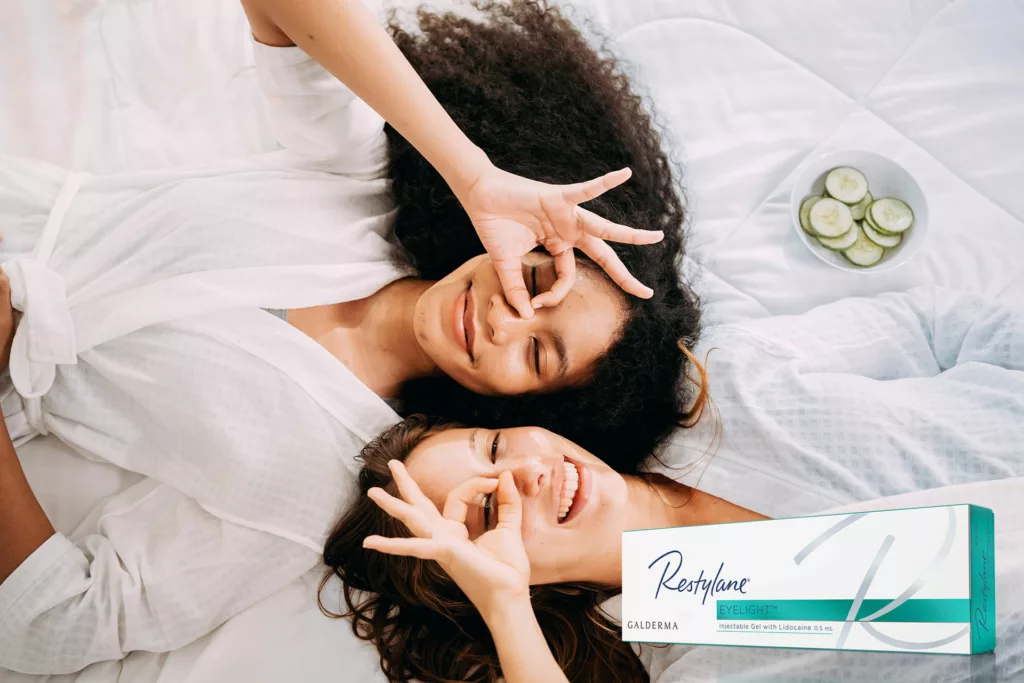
x: 512, y: 215
x: 493, y: 570
x: 345, y: 37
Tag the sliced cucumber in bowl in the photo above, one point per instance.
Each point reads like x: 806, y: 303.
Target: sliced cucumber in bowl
x: 864, y: 252
x: 830, y: 218
x: 842, y: 242
x: 860, y: 208
x: 891, y: 215
x: 882, y: 240
x: 868, y: 220
x: 805, y: 210
x: 846, y: 184
x: 850, y: 220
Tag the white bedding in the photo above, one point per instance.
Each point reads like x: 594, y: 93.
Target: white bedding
x: 752, y: 88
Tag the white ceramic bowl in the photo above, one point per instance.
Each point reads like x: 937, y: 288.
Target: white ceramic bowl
x: 886, y: 178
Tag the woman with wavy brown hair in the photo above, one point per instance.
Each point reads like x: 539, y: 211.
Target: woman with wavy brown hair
x: 479, y: 554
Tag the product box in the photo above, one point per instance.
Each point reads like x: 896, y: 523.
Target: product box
x: 910, y: 580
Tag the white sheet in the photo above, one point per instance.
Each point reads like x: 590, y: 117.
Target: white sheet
x: 752, y: 88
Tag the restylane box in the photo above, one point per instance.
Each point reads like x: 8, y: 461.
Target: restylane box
x: 910, y: 580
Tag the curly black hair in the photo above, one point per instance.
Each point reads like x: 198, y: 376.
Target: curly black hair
x: 526, y: 86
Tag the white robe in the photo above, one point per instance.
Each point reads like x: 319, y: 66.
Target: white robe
x: 859, y: 399
x: 142, y: 344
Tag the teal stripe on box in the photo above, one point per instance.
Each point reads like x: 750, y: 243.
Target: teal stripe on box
x: 983, y: 580
x: 924, y: 610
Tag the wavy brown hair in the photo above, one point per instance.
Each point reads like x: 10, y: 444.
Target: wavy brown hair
x: 525, y: 85
x: 423, y: 625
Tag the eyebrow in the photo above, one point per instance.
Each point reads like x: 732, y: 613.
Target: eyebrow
x: 473, y: 451
x: 563, y: 355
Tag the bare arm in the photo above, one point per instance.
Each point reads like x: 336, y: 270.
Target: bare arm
x: 371, y: 65
x: 522, y: 650
x: 512, y: 215
x: 23, y: 524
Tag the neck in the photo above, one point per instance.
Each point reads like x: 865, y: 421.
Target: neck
x: 657, y: 502
x: 374, y: 337
x: 387, y: 331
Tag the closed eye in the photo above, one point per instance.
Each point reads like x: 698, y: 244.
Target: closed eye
x: 489, y: 501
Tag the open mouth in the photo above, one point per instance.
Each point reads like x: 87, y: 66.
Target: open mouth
x: 570, y: 487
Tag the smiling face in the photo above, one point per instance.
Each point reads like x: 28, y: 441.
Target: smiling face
x: 468, y: 329
x: 574, y: 506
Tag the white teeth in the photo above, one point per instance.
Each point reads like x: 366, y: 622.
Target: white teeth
x: 572, y: 483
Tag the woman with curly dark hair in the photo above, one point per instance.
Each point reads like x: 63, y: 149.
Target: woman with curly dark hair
x: 477, y: 554
x: 496, y: 77
x: 142, y: 341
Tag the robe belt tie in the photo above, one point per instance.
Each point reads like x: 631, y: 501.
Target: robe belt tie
x: 45, y: 337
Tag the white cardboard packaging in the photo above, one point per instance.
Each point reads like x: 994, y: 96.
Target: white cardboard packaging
x: 911, y: 580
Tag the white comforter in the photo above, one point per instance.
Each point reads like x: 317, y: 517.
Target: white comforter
x: 752, y: 89
x: 859, y: 399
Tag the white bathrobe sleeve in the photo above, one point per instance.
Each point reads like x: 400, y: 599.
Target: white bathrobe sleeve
x: 154, y: 573
x: 860, y: 399
x: 241, y: 424
x: 322, y: 124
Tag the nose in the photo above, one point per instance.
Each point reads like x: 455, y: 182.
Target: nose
x: 502, y: 320
x: 531, y: 476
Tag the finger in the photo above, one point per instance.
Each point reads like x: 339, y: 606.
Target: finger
x: 510, y: 504
x: 605, y: 256
x: 456, y: 506
x: 565, y: 268
x: 400, y: 510
x: 510, y: 275
x: 408, y: 487
x: 604, y: 229
x: 584, y: 192
x: 423, y: 548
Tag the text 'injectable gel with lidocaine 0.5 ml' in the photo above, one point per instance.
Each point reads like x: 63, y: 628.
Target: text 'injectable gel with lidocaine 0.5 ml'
x: 911, y: 580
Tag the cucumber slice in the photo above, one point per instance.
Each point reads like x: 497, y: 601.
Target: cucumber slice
x: 891, y: 215
x: 864, y: 252
x: 842, y: 242
x: 868, y: 220
x: 858, y: 210
x: 830, y: 218
x: 846, y: 184
x: 887, y: 241
x: 805, y: 209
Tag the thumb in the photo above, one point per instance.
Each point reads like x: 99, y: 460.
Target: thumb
x: 510, y: 275
x: 510, y: 504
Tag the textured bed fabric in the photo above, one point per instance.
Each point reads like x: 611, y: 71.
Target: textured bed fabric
x: 859, y: 399
x: 749, y: 91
